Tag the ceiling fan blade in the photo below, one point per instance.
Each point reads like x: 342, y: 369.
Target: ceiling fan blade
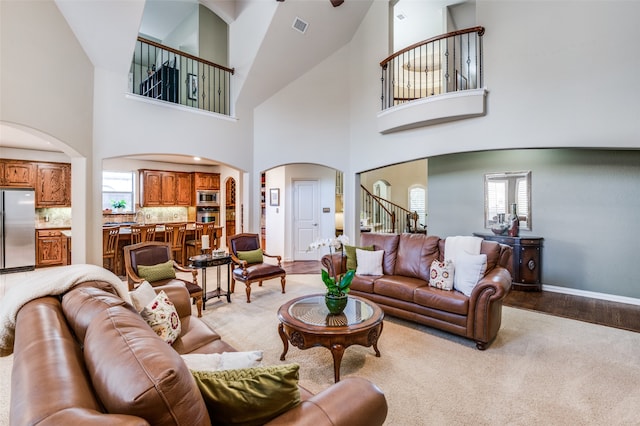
x: 336, y: 3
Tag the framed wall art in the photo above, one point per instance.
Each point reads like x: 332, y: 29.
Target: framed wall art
x: 192, y: 87
x: 274, y: 197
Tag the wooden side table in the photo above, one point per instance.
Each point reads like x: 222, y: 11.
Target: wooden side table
x: 527, y: 259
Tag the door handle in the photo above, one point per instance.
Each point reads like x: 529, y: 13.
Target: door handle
x: 315, y: 224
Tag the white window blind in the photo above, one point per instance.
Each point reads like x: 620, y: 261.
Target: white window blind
x: 496, y: 199
x: 418, y: 202
x: 522, y: 200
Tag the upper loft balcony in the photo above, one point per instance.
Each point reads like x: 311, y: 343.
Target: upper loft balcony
x: 166, y: 74
x: 433, y: 81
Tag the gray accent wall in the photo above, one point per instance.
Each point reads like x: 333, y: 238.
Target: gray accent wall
x: 585, y: 204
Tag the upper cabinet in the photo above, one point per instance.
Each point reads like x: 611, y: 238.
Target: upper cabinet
x: 206, y: 180
x: 17, y: 174
x: 164, y: 188
x: 53, y: 187
x: 184, y: 193
x: 51, y: 181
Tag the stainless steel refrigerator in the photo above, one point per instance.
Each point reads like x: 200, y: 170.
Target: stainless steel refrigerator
x: 17, y: 230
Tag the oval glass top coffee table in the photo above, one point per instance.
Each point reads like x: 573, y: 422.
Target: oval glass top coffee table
x: 306, y: 323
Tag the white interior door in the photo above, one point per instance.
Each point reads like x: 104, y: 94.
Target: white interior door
x: 306, y: 220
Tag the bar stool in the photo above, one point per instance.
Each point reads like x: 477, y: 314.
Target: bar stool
x: 110, y: 238
x: 194, y: 246
x: 142, y: 233
x: 175, y: 233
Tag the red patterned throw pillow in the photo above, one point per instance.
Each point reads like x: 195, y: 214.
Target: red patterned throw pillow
x: 441, y: 274
x: 163, y: 318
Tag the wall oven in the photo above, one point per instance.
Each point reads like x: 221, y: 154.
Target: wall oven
x: 207, y: 198
x: 208, y: 215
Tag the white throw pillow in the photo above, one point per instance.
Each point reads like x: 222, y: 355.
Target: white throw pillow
x: 163, y: 318
x: 441, y: 274
x: 224, y: 361
x: 202, y: 362
x: 469, y: 269
x: 238, y: 360
x: 369, y: 262
x: 142, y: 296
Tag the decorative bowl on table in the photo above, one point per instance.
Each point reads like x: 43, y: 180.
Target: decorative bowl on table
x: 499, y: 228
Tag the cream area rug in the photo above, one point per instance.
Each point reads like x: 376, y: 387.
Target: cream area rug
x: 540, y: 370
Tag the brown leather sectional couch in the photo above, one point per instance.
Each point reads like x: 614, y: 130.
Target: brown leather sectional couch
x: 89, y: 358
x: 404, y: 291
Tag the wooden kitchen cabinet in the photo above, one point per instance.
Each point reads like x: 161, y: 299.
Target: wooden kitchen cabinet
x: 53, y: 185
x: 157, y: 188
x: 14, y: 173
x: 168, y: 189
x: 51, y: 248
x: 184, y: 189
x: 206, y: 181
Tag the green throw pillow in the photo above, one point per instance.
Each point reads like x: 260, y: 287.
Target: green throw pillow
x: 249, y: 396
x: 352, y: 262
x: 251, y: 256
x: 158, y: 272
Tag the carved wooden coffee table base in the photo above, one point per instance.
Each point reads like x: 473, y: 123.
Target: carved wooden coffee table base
x: 306, y: 323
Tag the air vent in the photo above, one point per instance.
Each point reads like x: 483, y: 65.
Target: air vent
x: 300, y: 25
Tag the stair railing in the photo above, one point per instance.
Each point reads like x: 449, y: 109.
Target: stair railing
x: 167, y: 74
x: 382, y: 215
x: 450, y: 62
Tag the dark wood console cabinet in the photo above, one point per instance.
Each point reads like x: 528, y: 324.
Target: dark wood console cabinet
x: 527, y: 259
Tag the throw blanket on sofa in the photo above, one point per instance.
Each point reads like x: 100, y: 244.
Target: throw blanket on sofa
x: 456, y: 245
x: 49, y: 282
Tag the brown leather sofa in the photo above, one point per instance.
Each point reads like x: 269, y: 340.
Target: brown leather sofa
x: 404, y: 291
x: 88, y: 357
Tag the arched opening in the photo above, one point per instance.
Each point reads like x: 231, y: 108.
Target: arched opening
x: 299, y: 203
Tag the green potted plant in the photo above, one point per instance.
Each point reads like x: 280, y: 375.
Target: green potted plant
x: 338, y: 286
x: 119, y: 205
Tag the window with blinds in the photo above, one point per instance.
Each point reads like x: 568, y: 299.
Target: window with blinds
x: 522, y: 196
x: 418, y: 203
x: 496, y: 199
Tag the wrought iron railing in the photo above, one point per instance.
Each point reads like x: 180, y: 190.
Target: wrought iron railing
x: 381, y: 215
x: 167, y: 74
x: 448, y: 63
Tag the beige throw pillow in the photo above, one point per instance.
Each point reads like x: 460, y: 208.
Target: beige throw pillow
x: 369, y: 262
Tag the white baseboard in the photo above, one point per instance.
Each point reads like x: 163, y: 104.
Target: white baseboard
x: 591, y: 294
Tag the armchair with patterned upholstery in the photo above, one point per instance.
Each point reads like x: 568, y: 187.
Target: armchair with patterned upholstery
x: 153, y: 262
x: 247, y: 256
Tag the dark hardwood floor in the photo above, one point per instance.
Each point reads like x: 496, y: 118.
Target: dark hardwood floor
x: 611, y: 314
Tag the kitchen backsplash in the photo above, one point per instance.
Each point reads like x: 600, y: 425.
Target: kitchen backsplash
x: 54, y: 217
x: 151, y: 215
x: 60, y: 217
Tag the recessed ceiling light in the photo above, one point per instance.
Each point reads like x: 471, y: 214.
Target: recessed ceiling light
x: 197, y: 158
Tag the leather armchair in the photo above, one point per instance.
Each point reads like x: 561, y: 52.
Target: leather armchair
x: 252, y: 272
x: 154, y: 253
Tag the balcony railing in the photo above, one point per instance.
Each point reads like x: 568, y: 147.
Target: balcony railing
x: 448, y: 63
x: 164, y: 73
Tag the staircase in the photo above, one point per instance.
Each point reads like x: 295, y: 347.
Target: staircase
x: 380, y: 215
